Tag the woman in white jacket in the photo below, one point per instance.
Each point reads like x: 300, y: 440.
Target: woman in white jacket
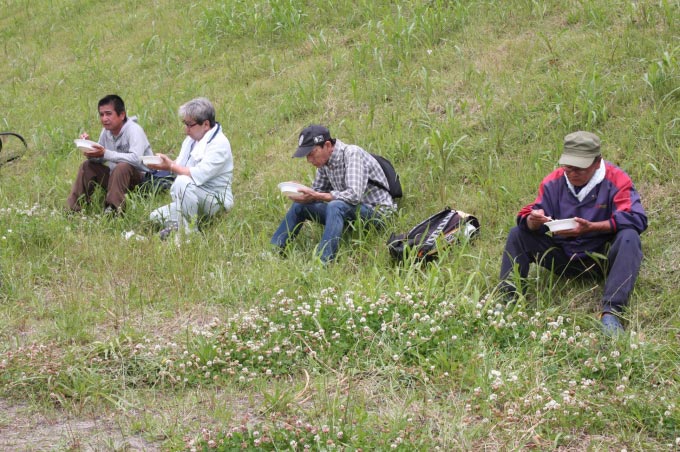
x: 204, y: 171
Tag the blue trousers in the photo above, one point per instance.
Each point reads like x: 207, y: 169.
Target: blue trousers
x: 624, y: 256
x: 333, y: 215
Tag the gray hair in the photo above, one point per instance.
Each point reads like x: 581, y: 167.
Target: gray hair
x: 199, y: 109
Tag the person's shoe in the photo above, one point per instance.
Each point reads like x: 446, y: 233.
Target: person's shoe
x: 611, y: 325
x: 166, y: 232
x: 505, y: 299
x: 70, y: 213
x: 275, y: 252
x: 111, y: 212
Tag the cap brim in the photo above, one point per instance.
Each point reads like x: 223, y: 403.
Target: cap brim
x: 577, y: 161
x: 302, y: 151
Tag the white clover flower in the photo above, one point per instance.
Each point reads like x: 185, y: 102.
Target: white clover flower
x: 395, y: 357
x: 551, y: 405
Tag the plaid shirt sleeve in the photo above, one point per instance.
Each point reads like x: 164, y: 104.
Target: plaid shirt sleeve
x: 321, y: 182
x: 350, y: 171
x: 355, y: 178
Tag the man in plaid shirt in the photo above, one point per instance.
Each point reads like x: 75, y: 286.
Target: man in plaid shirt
x: 349, y: 183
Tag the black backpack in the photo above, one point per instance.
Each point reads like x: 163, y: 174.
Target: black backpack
x: 450, y: 225
x: 394, y: 185
x: 156, y: 181
x: 13, y: 155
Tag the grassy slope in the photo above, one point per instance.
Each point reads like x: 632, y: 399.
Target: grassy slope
x: 469, y: 99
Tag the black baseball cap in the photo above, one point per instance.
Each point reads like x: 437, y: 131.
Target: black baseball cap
x: 314, y: 135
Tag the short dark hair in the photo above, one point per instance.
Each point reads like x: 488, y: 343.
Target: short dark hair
x: 114, y: 100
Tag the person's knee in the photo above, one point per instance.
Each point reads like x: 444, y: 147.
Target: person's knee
x: 628, y: 236
x: 90, y: 166
x: 180, y: 185
x: 122, y: 168
x: 515, y: 235
x: 297, y: 208
x: 627, y: 241
x: 338, y: 207
x: 156, y: 216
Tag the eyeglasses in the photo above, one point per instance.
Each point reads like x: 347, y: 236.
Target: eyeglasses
x: 189, y: 125
x: 574, y: 169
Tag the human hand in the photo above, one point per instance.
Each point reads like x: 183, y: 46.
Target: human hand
x: 305, y: 195
x: 536, y: 219
x: 96, y: 152
x: 166, y: 163
x: 582, y: 227
x: 84, y: 136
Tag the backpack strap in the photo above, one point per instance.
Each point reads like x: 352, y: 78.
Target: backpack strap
x: 432, y: 236
x: 14, y: 135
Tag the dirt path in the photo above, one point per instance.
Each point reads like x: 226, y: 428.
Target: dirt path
x: 23, y: 430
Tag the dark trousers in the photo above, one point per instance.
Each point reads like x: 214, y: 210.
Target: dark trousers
x: 116, y: 183
x: 624, y: 256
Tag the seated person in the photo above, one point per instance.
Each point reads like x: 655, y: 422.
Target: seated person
x: 115, y: 163
x: 609, y: 217
x: 349, y: 182
x: 204, y: 171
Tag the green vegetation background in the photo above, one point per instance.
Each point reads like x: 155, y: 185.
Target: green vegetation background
x: 469, y: 99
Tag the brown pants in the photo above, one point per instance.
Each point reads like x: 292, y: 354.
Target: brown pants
x: 116, y: 183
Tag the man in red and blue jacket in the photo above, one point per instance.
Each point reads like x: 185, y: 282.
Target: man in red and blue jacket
x: 609, y: 219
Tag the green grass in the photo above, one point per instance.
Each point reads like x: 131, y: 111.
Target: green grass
x: 215, y: 344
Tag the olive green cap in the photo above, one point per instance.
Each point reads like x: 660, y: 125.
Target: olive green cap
x: 580, y: 149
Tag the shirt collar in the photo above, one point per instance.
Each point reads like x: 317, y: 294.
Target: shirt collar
x: 337, y: 155
x: 598, y: 177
